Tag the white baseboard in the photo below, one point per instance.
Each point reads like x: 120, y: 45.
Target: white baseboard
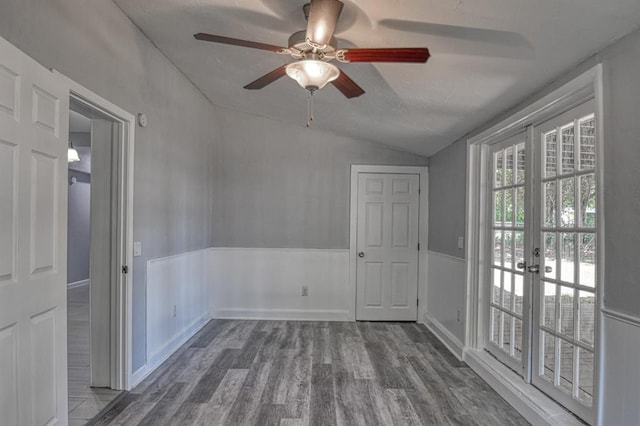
x: 281, y: 314
x: 535, y: 406
x: 167, y: 350
x: 452, y: 343
x: 77, y: 284
x: 139, y: 375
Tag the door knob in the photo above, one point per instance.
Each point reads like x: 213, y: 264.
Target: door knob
x: 535, y: 269
x: 361, y: 254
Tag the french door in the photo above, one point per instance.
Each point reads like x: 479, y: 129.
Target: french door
x: 541, y: 310
x: 509, y: 237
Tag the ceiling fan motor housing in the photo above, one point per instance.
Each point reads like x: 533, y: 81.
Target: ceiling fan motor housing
x: 300, y: 48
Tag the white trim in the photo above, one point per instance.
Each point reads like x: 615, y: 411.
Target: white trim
x: 275, y: 249
x: 535, y: 406
x: 599, y: 338
x: 446, y: 256
x: 169, y: 347
x: 280, y: 314
x: 452, y: 343
x: 621, y: 316
x: 123, y: 332
x: 423, y: 234
x: 141, y: 373
x: 77, y: 284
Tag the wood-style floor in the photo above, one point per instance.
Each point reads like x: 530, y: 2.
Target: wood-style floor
x: 312, y: 373
x: 84, y: 401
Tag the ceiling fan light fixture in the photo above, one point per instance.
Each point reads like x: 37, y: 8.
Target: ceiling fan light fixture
x: 72, y: 154
x: 312, y: 74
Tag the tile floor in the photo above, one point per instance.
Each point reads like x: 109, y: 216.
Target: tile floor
x: 84, y: 402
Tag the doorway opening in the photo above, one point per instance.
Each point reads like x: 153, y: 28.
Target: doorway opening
x: 96, y: 259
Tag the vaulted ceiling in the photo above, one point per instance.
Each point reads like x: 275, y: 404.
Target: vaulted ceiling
x: 486, y: 55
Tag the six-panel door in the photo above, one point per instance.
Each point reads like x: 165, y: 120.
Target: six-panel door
x: 33, y: 245
x: 387, y: 247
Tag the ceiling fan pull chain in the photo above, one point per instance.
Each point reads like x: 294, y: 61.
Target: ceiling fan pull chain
x: 310, y: 108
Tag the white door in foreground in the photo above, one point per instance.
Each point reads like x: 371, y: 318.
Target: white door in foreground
x: 387, y: 247
x: 33, y: 244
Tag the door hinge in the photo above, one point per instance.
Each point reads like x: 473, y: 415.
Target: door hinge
x: 417, y: 302
x: 418, y: 246
x: 125, y: 269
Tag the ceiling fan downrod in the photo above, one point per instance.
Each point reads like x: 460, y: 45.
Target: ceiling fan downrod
x: 310, y: 108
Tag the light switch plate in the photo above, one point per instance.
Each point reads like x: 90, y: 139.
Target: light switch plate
x: 137, y: 248
x: 460, y: 242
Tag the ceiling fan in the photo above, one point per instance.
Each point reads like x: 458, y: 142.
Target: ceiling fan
x: 315, y: 48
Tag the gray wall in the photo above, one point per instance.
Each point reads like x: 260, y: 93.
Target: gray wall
x: 93, y: 43
x: 621, y: 63
x: 79, y: 221
x: 447, y: 199
x: 622, y: 175
x: 282, y: 186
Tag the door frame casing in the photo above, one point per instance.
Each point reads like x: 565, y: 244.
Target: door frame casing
x: 561, y: 97
x: 423, y: 227
x: 122, y: 295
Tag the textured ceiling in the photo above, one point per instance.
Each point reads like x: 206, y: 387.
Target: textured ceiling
x: 486, y: 55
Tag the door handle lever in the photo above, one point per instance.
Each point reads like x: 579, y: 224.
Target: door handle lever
x: 361, y: 254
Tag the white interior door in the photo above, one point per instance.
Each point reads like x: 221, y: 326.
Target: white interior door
x: 387, y: 247
x: 33, y: 232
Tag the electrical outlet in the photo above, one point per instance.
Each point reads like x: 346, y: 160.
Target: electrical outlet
x: 460, y: 242
x: 305, y: 290
x: 175, y: 311
x: 137, y: 248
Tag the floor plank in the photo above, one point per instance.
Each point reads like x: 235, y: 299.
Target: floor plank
x: 293, y: 373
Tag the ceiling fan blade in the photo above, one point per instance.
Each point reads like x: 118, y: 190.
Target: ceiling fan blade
x: 347, y: 86
x: 500, y: 37
x: 394, y: 54
x: 237, y: 42
x: 267, y: 78
x: 323, y: 18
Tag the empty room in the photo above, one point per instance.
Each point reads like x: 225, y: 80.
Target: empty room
x: 294, y: 212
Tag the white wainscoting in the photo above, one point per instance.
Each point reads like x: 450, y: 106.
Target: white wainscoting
x: 446, y: 296
x: 266, y: 283
x: 177, y: 294
x: 621, y: 369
